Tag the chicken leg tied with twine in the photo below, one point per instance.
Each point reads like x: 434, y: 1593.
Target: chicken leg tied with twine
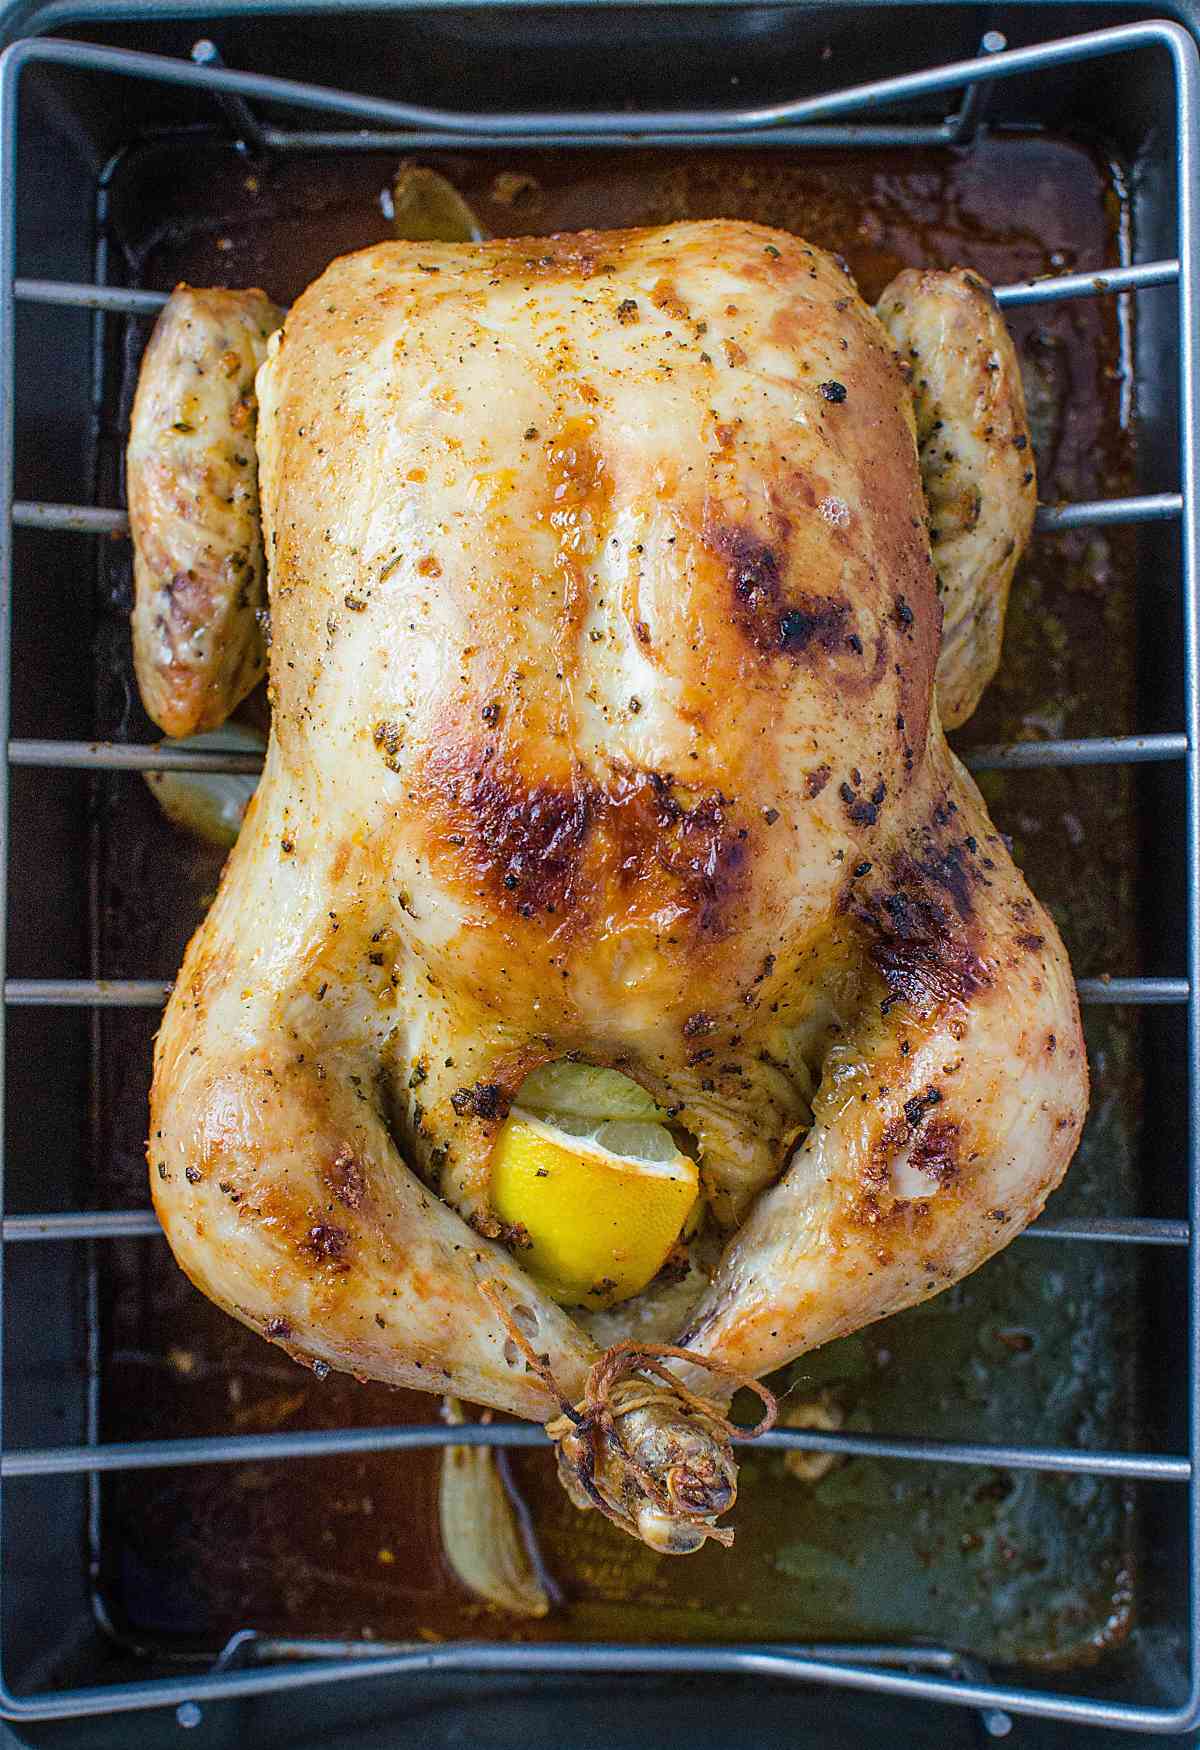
x: 651, y: 1455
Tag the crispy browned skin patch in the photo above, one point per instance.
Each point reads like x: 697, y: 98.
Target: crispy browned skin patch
x: 936, y: 1151
x: 564, y: 852
x: 774, y: 625
x: 919, y: 939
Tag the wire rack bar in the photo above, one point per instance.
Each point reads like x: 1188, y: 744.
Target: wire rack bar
x: 248, y: 1644
x: 126, y: 301
x: 149, y: 993
x: 114, y: 1224
x: 243, y: 123
x: 247, y: 1647
x: 1152, y: 992
x: 1108, y: 750
x: 1141, y: 277
x: 995, y: 1702
x: 954, y: 130
x: 1099, y: 513
x: 339, y: 1442
x: 770, y: 1662
x: 1097, y: 750
x: 117, y: 300
x: 1187, y: 151
x: 87, y: 993
x: 88, y: 1224
x: 1120, y: 1230
x: 84, y: 519
x: 79, y: 519
x: 554, y: 125
x: 114, y: 756
x: 285, y: 140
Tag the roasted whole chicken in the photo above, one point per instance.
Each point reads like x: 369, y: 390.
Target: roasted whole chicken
x: 620, y: 586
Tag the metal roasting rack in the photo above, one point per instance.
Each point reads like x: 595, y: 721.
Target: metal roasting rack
x: 252, y: 1664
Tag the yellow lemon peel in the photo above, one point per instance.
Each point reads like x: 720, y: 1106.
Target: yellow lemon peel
x: 601, y: 1205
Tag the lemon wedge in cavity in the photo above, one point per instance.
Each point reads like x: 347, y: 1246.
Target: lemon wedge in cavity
x: 602, y: 1203
x: 566, y: 1089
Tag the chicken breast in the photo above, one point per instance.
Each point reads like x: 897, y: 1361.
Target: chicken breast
x: 192, y: 483
x: 605, y: 631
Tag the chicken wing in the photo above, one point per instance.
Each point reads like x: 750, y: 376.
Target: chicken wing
x: 976, y: 464
x: 192, y: 485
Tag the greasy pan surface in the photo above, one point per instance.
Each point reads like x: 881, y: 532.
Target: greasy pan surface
x: 1035, y: 1346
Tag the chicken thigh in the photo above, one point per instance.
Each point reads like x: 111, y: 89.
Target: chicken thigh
x: 605, y: 627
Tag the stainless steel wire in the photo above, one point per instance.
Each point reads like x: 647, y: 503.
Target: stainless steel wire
x: 84, y: 519
x: 120, y: 1224
x: 115, y: 756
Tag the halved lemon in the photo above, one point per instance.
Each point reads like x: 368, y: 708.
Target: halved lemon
x: 602, y: 1202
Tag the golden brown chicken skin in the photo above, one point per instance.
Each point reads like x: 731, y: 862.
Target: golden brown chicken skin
x: 605, y: 631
